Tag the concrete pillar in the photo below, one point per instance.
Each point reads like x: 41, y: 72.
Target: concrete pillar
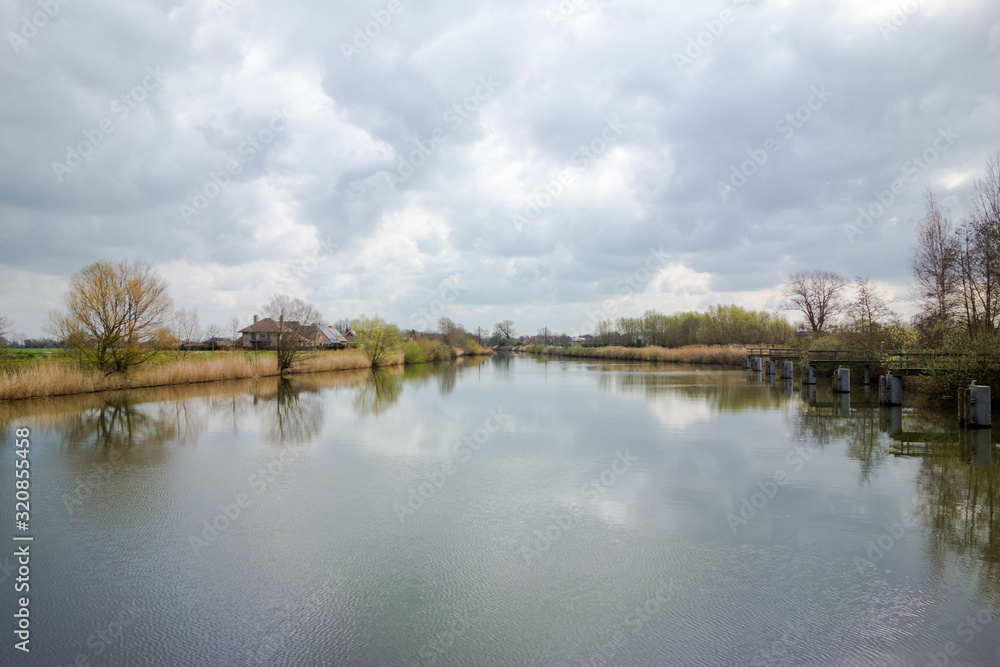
x: 758, y: 364
x: 809, y: 374
x: 770, y: 366
x: 890, y: 389
x: 974, y: 406
x: 789, y: 370
x: 746, y: 363
x: 842, y: 380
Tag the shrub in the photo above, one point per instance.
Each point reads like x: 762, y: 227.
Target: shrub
x: 968, y: 359
x: 413, y: 353
x: 472, y: 346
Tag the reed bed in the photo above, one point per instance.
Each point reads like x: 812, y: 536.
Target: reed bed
x: 48, y: 378
x: 723, y: 355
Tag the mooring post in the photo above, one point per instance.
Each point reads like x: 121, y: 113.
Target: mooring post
x: 758, y: 364
x: 789, y: 370
x: 890, y: 389
x: 770, y: 367
x: 746, y: 363
x: 842, y: 380
x: 810, y: 374
x: 974, y: 406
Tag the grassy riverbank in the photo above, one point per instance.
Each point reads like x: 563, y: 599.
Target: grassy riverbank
x: 723, y: 355
x: 61, y: 377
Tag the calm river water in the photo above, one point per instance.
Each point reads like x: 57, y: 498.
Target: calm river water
x: 503, y: 511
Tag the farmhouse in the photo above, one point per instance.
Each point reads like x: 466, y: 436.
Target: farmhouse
x: 263, y: 333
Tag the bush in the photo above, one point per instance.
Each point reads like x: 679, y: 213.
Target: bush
x: 968, y: 359
x: 472, y: 346
x: 443, y: 352
x: 413, y: 353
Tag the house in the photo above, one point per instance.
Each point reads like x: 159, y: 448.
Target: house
x: 323, y: 335
x: 350, y: 336
x: 264, y: 333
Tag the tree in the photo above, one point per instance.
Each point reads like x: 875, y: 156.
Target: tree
x: 5, y: 326
x: 213, y: 331
x: 451, y: 333
x: 233, y: 328
x: 115, y: 314
x: 869, y: 315
x: 290, y: 313
x: 816, y: 294
x: 379, y: 339
x: 504, y: 330
x: 343, y: 325
x: 186, y: 328
x: 935, y: 265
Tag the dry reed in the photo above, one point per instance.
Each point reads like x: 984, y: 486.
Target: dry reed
x: 48, y: 378
x: 723, y: 355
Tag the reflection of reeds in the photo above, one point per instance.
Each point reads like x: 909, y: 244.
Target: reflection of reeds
x: 725, y: 355
x: 45, y: 378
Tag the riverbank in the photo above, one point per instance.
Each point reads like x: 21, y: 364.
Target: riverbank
x: 61, y: 378
x: 722, y: 355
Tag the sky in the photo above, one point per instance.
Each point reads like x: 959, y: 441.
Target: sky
x: 548, y: 163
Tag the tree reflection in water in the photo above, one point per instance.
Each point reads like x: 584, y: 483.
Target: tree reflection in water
x: 958, y: 481
x: 379, y: 392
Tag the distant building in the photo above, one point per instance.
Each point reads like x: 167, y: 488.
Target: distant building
x: 263, y: 333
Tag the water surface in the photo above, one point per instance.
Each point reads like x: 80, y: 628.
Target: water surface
x: 504, y: 511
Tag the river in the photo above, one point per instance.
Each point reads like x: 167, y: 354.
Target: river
x: 503, y: 511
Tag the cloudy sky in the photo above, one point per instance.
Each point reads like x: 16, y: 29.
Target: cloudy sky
x: 535, y: 161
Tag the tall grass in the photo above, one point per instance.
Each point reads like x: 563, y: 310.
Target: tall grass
x: 724, y: 355
x: 49, y: 378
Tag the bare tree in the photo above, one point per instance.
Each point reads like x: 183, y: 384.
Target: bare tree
x: 186, y: 328
x: 5, y: 326
x: 213, y: 331
x: 504, y: 330
x: 290, y: 313
x: 979, y: 263
x: 450, y: 332
x: 115, y: 314
x: 816, y: 294
x: 233, y: 328
x: 935, y: 265
x: 343, y: 325
x: 869, y: 315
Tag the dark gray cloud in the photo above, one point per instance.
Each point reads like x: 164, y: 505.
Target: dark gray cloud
x: 470, y: 142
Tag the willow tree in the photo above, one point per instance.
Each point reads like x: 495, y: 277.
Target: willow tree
x: 115, y: 314
x: 379, y: 339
